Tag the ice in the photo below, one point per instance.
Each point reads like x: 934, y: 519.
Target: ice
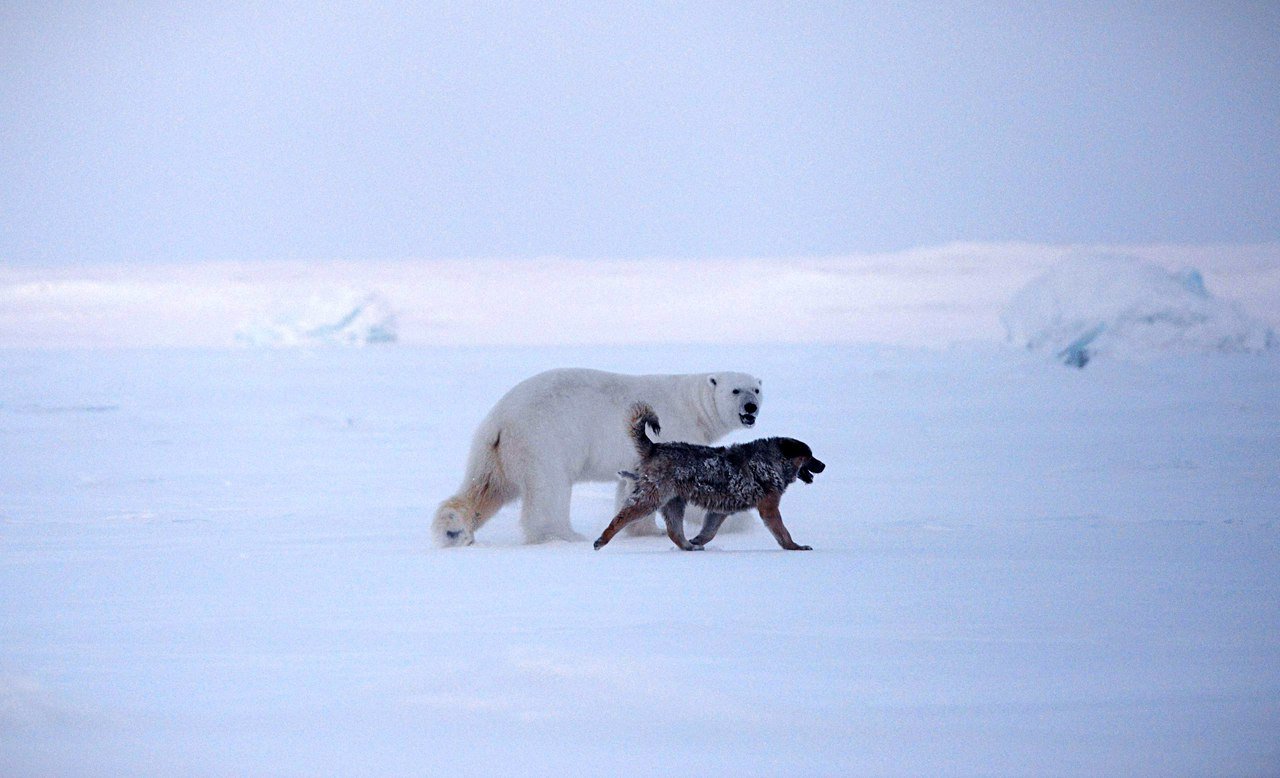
x: 933, y: 296
x: 1118, y: 306
x: 216, y: 560
x: 342, y: 318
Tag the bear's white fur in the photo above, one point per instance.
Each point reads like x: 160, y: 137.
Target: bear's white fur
x: 568, y: 426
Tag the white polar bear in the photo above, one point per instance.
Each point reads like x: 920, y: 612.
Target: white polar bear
x: 569, y: 425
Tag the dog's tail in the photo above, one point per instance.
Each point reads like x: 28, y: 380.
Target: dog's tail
x: 642, y: 415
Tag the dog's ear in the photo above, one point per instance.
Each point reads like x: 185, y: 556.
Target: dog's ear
x: 793, y: 449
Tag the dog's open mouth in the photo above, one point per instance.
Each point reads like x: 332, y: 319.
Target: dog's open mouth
x: 747, y: 419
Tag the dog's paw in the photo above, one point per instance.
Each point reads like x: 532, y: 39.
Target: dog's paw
x: 695, y: 547
x: 802, y: 548
x: 599, y: 542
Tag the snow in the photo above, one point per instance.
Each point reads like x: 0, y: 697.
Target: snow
x: 217, y: 562
x: 1119, y: 306
x: 922, y: 297
x: 215, y: 556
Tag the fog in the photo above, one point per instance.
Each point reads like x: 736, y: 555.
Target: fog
x: 145, y: 132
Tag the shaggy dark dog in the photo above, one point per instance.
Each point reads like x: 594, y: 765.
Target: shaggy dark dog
x: 722, y: 480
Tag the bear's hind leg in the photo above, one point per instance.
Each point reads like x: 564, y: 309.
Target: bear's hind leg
x: 544, y: 511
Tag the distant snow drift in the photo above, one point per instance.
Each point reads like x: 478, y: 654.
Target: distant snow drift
x: 1122, y: 307
x: 930, y: 297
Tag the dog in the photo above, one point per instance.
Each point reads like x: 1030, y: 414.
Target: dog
x: 722, y: 480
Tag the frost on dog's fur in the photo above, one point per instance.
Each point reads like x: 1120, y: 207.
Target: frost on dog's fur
x: 562, y: 427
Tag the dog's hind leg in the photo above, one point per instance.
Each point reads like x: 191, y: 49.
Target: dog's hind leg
x: 645, y: 525
x: 772, y: 518
x: 641, y: 503
x: 710, y: 526
x: 673, y: 515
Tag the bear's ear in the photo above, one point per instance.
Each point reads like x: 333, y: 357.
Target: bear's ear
x: 712, y: 379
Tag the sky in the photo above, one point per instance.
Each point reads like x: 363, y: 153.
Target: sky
x: 189, y: 132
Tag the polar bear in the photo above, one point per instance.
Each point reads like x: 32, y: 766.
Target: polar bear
x: 568, y: 426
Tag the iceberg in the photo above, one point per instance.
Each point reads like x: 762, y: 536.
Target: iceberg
x: 1118, y: 306
x: 337, y: 319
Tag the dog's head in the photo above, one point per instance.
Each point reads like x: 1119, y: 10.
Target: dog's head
x: 737, y: 398
x: 800, y: 453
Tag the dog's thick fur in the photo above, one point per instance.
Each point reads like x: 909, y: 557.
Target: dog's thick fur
x: 722, y: 480
x: 561, y: 427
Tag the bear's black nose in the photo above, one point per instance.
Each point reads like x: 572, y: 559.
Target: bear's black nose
x: 750, y: 407
x: 453, y: 533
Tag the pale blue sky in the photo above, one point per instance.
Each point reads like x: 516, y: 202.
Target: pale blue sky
x: 193, y: 131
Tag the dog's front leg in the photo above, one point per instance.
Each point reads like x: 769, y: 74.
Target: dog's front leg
x: 772, y: 518
x: 673, y: 515
x: 710, y: 526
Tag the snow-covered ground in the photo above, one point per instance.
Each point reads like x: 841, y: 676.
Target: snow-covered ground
x: 216, y: 560
x: 217, y: 563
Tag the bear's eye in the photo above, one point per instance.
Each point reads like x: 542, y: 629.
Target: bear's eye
x: 737, y: 391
